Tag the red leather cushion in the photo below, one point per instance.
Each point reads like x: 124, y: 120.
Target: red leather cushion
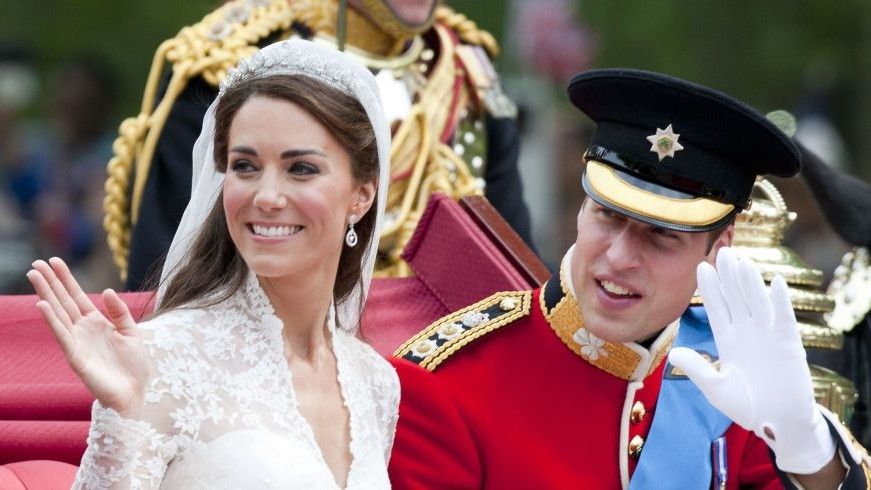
x: 455, y: 259
x: 9, y: 480
x: 396, y: 309
x: 44, y: 409
x: 37, y: 475
x: 22, y: 440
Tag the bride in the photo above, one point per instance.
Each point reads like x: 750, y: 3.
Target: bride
x: 249, y: 374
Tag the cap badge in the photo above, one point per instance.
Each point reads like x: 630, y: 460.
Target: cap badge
x: 664, y: 142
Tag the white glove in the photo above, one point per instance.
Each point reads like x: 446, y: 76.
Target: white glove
x: 763, y: 383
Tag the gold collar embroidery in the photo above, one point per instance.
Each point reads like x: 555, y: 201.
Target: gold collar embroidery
x: 362, y: 33
x: 627, y: 361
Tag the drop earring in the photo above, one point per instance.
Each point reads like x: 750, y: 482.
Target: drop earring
x: 351, y: 236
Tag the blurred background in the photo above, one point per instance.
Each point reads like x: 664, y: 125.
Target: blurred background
x: 70, y: 71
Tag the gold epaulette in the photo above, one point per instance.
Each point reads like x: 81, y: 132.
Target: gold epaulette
x: 447, y: 335
x: 467, y: 30
x: 207, y: 49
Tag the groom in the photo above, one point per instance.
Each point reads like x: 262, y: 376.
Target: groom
x: 572, y: 385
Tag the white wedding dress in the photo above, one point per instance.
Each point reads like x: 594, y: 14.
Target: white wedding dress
x: 221, y: 412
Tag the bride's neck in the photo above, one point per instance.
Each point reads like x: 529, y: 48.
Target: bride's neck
x: 302, y: 307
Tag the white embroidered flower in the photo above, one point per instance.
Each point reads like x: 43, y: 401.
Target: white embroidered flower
x: 186, y: 419
x: 252, y: 353
x: 218, y: 348
x: 450, y: 330
x: 474, y: 318
x: 423, y: 348
x: 592, y: 347
x: 214, y: 411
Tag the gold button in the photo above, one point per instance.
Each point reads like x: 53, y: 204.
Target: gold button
x: 423, y: 347
x: 635, y: 446
x: 638, y: 412
x: 508, y: 304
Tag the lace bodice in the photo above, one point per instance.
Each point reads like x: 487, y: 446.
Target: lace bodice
x: 221, y: 411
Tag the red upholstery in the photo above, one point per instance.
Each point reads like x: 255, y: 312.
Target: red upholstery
x: 455, y: 259
x: 37, y: 475
x: 45, y: 409
x: 395, y: 310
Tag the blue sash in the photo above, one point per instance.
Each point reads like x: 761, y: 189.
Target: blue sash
x: 677, y: 453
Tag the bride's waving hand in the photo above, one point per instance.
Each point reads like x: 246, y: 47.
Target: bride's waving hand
x: 105, y: 352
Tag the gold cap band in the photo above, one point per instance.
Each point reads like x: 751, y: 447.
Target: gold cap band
x: 688, y: 214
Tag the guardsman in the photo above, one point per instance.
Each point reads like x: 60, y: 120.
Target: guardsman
x: 604, y: 377
x: 454, y: 129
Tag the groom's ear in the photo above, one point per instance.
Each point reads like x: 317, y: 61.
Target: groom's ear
x: 718, y: 239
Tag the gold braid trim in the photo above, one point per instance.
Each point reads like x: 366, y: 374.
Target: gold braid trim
x: 208, y: 49
x: 444, y: 337
x: 420, y: 163
x: 467, y: 29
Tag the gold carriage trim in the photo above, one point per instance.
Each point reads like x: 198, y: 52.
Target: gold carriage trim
x: 447, y: 335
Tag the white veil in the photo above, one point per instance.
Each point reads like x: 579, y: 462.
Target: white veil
x: 291, y: 57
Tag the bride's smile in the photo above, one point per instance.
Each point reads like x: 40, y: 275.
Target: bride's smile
x: 288, y: 190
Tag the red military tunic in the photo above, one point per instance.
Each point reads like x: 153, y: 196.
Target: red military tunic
x: 537, y: 403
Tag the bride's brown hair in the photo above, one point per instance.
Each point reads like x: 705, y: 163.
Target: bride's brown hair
x: 213, y: 269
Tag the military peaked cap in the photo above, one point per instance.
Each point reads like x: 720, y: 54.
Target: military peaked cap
x: 673, y: 153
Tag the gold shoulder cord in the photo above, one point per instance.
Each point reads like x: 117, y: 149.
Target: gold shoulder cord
x: 421, y: 163
x: 467, y: 30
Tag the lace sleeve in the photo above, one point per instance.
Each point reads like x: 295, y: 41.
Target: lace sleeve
x: 128, y: 453
x: 122, y: 453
